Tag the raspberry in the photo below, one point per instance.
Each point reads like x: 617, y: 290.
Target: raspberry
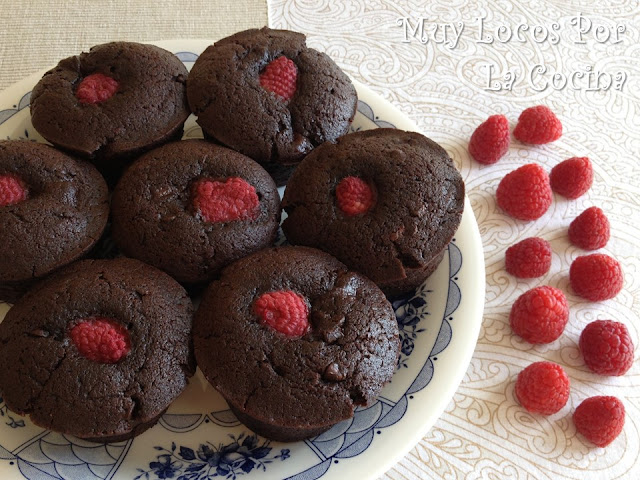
x: 600, y: 419
x: 572, y: 177
x: 354, y: 196
x: 279, y: 77
x: 540, y: 315
x: 235, y: 199
x: 596, y: 277
x: 101, y: 340
x: 538, y: 125
x: 96, y: 88
x: 490, y: 141
x: 607, y: 347
x: 284, y: 311
x: 590, y: 230
x: 525, y: 193
x: 542, y: 387
x: 528, y: 258
x: 12, y: 190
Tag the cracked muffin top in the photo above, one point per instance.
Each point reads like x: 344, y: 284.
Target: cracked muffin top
x: 192, y: 207
x: 98, y: 350
x: 117, y: 100
x: 294, y: 341
x: 53, y: 210
x: 384, y: 201
x: 266, y: 94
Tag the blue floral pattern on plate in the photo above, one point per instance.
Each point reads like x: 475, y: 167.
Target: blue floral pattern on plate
x: 241, y: 456
x: 188, y: 455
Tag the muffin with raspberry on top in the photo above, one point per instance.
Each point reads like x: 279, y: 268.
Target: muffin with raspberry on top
x: 192, y: 207
x: 112, y: 103
x: 266, y: 94
x: 385, y: 202
x: 294, y: 341
x: 98, y: 350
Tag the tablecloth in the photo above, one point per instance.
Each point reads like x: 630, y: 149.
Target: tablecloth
x: 448, y: 65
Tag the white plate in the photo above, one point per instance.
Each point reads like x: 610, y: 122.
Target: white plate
x: 198, y: 438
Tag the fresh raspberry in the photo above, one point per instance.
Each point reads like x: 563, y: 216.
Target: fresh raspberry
x: 590, y: 230
x: 96, y: 88
x: 596, y: 277
x: 284, y: 311
x: 490, y: 141
x: 101, y: 340
x: 542, y: 387
x: 528, y: 258
x: 540, y: 314
x: 525, y: 193
x: 12, y: 190
x: 572, y: 177
x: 600, y: 419
x: 607, y: 347
x: 235, y: 199
x: 538, y: 125
x: 354, y: 196
x: 279, y: 77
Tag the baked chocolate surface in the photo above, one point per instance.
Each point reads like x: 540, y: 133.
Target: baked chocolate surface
x: 225, y: 93
x: 290, y: 388
x: 62, y: 218
x: 148, y: 108
x: 154, y: 221
x: 399, y: 242
x: 45, y: 376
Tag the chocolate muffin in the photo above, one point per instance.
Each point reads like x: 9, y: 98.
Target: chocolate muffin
x: 385, y: 202
x: 53, y: 210
x: 294, y: 341
x: 192, y: 207
x: 117, y: 100
x: 98, y: 350
x: 266, y: 94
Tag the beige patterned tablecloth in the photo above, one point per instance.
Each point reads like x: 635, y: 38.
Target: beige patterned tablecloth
x: 448, y: 85
x: 442, y: 83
